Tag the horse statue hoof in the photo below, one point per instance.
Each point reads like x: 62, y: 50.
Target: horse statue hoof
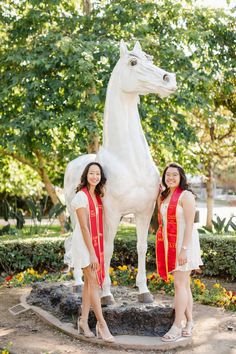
x: 145, y: 298
x: 107, y: 300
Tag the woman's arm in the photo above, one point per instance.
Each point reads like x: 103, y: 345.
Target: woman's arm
x: 188, y: 204
x: 82, y: 217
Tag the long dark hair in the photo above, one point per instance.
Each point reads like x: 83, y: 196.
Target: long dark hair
x: 99, y: 189
x: 183, y: 184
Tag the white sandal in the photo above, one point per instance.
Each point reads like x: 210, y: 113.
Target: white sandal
x: 173, y: 334
x: 188, y: 329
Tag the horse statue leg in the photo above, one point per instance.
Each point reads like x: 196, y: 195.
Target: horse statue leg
x: 111, y: 222
x: 142, y: 225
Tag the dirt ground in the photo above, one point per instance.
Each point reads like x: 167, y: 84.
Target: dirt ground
x: 30, y: 335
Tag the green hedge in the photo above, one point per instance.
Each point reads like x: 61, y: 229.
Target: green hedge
x: 41, y: 253
x: 218, y: 254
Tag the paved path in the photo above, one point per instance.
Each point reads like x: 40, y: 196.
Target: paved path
x: 219, y: 210
x: 30, y: 335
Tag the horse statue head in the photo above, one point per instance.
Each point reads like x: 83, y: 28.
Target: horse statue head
x: 139, y: 74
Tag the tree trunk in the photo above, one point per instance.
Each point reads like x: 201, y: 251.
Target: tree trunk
x: 87, y: 6
x: 51, y: 192
x: 210, y: 197
x: 93, y: 145
x: 45, y: 179
x: 49, y: 188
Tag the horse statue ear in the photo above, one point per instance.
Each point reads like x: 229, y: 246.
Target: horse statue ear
x: 123, y: 48
x: 137, y: 47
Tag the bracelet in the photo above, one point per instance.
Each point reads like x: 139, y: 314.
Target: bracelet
x: 184, y: 248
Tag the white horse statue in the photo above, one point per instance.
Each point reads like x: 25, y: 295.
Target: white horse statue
x: 132, y: 177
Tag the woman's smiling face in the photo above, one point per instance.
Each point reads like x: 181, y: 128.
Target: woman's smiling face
x: 94, y: 175
x: 172, y: 177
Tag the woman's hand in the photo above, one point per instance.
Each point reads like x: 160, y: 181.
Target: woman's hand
x: 182, y: 259
x: 94, y: 262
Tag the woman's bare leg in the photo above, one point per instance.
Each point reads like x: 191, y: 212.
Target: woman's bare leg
x: 85, y: 300
x: 181, y: 280
x: 189, y: 308
x: 95, y: 300
x: 83, y: 321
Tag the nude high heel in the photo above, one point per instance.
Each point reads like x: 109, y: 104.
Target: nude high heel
x: 84, y: 329
x: 99, y: 334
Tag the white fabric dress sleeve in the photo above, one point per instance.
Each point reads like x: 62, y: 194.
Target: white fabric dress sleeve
x: 79, y: 201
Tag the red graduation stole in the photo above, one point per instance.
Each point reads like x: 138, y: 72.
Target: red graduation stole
x: 167, y: 265
x: 96, y: 229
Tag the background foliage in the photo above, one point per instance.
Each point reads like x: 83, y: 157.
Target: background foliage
x: 47, y: 253
x: 56, y: 57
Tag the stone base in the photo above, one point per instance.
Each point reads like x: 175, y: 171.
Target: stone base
x: 125, y: 316
x: 65, y: 306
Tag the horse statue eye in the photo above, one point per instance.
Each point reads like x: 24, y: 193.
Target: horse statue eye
x: 166, y: 78
x: 133, y: 62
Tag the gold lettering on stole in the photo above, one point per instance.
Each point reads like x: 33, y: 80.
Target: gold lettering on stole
x: 171, y: 245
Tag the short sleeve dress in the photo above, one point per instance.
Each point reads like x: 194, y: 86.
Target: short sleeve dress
x: 193, y: 251
x: 80, y: 253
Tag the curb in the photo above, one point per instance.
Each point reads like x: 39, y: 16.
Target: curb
x: 121, y: 341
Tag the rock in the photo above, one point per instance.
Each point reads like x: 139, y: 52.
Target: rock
x: 126, y: 316
x: 70, y: 305
x: 56, y: 297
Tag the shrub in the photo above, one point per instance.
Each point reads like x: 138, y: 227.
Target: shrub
x: 218, y: 253
x: 220, y: 227
x: 29, y: 276
x: 125, y: 275
x: 40, y: 254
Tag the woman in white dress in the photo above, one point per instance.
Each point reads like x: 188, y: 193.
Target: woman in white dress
x: 177, y: 245
x: 88, y: 246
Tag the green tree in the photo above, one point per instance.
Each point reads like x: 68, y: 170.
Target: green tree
x: 46, y: 74
x: 56, y: 60
x: 19, y: 180
x: 213, y: 118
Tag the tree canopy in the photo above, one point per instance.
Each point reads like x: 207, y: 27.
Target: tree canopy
x: 56, y: 58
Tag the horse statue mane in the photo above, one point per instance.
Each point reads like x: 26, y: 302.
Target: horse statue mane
x: 132, y: 177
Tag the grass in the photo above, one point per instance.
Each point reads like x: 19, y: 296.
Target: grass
x: 125, y: 231
x: 32, y: 232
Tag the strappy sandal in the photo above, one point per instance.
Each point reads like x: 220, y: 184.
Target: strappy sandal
x: 188, y: 329
x: 108, y: 337
x: 84, y: 329
x: 173, y: 334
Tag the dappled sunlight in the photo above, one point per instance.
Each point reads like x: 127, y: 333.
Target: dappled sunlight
x: 6, y: 331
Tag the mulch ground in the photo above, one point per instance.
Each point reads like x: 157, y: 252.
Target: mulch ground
x: 30, y: 335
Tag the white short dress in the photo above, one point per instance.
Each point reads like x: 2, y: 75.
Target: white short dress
x: 80, y: 253
x: 193, y: 251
